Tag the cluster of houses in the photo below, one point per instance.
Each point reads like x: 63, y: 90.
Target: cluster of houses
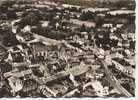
x: 48, y: 42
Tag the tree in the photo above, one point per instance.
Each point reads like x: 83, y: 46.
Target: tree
x: 83, y: 28
x: 10, y: 39
x: 4, y: 5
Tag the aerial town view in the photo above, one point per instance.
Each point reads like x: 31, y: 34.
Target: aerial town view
x: 67, y: 48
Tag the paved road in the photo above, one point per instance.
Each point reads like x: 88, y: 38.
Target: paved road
x: 114, y: 82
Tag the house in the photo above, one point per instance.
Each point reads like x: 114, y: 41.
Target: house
x: 15, y: 83
x: 2, y: 52
x: 22, y: 37
x: 38, y: 47
x: 108, y: 25
x: 95, y: 9
x: 29, y: 85
x: 44, y: 23
x: 27, y: 29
